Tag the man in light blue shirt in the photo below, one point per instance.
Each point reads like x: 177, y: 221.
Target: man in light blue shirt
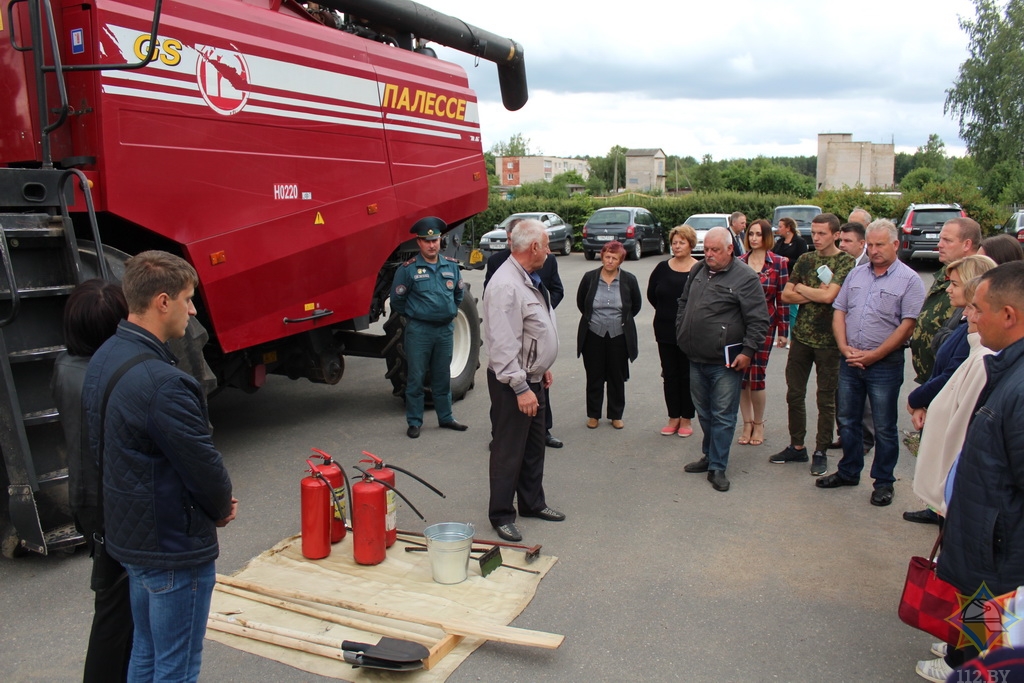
x: 875, y: 314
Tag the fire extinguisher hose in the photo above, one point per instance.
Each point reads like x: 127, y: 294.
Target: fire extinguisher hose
x: 386, y: 485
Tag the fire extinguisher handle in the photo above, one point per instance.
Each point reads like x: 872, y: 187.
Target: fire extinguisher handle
x: 371, y: 458
x: 324, y: 456
x: 389, y: 486
x: 419, y: 479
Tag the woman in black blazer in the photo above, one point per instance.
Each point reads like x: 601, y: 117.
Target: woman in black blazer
x: 609, y: 299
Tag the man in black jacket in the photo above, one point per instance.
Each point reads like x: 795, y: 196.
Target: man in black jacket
x: 555, y: 292
x: 721, y: 323
x: 165, y: 489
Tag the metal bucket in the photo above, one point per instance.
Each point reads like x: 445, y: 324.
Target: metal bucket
x: 448, y: 545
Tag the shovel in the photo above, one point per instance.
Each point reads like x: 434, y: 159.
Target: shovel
x: 389, y: 653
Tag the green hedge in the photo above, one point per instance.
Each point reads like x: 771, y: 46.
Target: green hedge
x: 672, y: 211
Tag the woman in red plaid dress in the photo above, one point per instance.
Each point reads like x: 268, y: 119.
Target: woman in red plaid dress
x: 774, y: 273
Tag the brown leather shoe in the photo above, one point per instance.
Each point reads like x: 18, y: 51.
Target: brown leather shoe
x: 618, y: 424
x: 592, y: 422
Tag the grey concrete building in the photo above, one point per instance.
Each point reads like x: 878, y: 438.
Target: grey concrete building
x: 645, y: 170
x: 844, y: 161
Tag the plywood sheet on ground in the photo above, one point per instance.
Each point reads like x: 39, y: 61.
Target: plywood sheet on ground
x: 403, y: 582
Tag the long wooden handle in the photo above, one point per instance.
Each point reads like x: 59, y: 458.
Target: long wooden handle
x: 275, y: 639
x: 314, y: 638
x: 495, y: 632
x: 333, y: 617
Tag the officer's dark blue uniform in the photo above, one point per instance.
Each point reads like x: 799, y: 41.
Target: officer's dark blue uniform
x: 428, y: 294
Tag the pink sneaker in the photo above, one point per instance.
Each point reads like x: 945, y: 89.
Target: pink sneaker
x: 668, y: 430
x: 685, y: 432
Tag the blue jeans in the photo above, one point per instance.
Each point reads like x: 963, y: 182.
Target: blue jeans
x: 170, y: 608
x: 715, y: 390
x: 881, y: 384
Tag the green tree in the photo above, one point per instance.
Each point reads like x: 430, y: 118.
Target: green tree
x: 738, y: 176
x: 1002, y: 179
x: 903, y: 164
x: 707, y: 177
x: 920, y: 177
x: 604, y: 167
x: 516, y: 146
x: 965, y: 170
x: 932, y: 154
x: 596, y: 186
x: 987, y: 94
x: 777, y: 179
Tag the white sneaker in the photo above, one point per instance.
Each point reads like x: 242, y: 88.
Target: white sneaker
x: 935, y: 670
x: 939, y: 649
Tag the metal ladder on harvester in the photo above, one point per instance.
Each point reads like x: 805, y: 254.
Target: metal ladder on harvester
x: 40, y: 264
x: 39, y: 267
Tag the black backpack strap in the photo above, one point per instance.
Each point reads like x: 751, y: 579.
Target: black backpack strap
x: 114, y: 379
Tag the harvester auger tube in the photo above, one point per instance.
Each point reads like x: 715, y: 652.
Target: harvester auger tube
x: 423, y: 22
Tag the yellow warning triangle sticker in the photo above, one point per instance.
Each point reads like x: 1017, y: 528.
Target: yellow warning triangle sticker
x: 319, y: 219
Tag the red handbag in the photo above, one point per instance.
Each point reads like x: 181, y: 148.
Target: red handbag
x: 928, y: 601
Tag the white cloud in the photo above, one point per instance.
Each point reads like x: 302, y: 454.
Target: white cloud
x: 729, y: 79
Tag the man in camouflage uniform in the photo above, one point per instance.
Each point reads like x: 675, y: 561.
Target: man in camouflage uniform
x: 959, y: 237
x: 814, y: 282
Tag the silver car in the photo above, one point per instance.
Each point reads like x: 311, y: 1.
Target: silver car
x: 559, y: 233
x: 701, y: 223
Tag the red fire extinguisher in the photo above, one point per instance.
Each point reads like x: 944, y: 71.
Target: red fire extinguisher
x: 336, y: 506
x: 369, y: 506
x: 369, y: 510
x: 385, y: 474
x: 316, y: 527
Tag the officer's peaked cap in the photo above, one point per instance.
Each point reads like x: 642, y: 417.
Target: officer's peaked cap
x: 429, y: 228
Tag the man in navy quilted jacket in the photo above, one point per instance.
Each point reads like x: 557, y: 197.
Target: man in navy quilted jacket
x: 165, y: 488
x: 983, y: 542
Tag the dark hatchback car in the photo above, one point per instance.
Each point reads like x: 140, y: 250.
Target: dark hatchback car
x: 803, y: 214
x: 637, y: 229
x: 920, y: 227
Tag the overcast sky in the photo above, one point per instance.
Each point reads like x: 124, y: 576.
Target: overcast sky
x: 733, y: 78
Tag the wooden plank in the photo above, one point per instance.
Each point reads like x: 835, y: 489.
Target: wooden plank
x: 274, y: 639
x: 495, y: 632
x: 316, y: 639
x: 440, y: 649
x: 333, y: 617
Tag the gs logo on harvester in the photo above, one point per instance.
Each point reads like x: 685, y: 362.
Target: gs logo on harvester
x: 167, y: 51
x: 223, y: 78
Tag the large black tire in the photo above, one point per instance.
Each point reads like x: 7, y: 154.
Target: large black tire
x: 589, y: 255
x: 465, y: 352
x: 567, y: 246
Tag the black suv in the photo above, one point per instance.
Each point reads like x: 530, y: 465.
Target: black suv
x: 637, y: 229
x: 1014, y: 225
x: 920, y: 228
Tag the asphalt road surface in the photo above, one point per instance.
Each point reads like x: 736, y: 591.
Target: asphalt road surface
x: 659, y: 576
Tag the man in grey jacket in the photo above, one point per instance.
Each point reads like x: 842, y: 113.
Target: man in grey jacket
x: 721, y: 323
x: 522, y: 343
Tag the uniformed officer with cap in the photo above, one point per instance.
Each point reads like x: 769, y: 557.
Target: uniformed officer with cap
x: 427, y: 291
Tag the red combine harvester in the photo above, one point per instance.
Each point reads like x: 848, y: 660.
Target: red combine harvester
x: 283, y: 149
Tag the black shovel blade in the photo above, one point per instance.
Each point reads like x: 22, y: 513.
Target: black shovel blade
x: 389, y: 649
x: 357, y: 660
